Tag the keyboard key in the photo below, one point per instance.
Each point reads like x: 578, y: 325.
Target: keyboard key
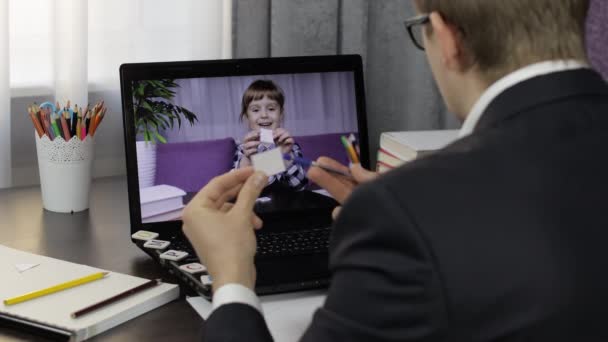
x: 193, y: 268
x: 156, y: 244
x: 293, y: 243
x: 174, y: 255
x: 144, y: 235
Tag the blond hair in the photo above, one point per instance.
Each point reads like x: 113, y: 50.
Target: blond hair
x: 501, y: 36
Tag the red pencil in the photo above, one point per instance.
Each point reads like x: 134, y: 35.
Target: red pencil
x: 116, y: 298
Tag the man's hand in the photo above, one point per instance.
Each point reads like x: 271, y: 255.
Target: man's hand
x: 222, y: 233
x: 339, y: 187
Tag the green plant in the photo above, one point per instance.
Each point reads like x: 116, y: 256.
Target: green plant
x: 154, y: 111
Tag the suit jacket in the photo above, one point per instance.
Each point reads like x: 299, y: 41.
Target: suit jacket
x: 499, y: 237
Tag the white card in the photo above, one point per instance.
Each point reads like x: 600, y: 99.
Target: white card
x: 270, y: 162
x: 156, y: 244
x: 173, y: 255
x: 266, y: 136
x: 144, y: 235
x: 193, y: 268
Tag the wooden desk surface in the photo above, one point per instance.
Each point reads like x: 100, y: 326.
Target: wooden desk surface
x: 99, y: 237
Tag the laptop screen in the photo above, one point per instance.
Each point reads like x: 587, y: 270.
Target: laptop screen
x: 188, y: 130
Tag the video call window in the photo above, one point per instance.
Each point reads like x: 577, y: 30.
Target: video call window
x: 191, y: 130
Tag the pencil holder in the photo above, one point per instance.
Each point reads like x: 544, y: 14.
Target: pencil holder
x: 65, y: 172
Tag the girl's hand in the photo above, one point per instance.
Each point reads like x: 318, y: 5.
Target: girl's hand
x: 283, y: 139
x: 250, y: 143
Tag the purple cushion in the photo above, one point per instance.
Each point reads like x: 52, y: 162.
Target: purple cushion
x: 190, y: 166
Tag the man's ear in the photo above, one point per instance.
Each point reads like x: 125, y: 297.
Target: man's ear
x: 449, y: 41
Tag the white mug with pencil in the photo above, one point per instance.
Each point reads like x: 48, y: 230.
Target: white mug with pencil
x: 64, y: 144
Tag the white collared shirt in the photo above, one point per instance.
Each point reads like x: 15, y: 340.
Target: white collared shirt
x: 523, y: 74
x: 235, y: 293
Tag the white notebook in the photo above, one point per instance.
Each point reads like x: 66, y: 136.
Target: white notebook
x: 52, y: 312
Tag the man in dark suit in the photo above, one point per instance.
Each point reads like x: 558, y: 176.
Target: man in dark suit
x: 498, y: 237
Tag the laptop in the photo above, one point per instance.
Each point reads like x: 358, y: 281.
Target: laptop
x: 187, y: 122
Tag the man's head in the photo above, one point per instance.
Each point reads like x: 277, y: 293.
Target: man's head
x: 476, y: 42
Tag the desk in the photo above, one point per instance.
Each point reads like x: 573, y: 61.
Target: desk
x: 99, y: 237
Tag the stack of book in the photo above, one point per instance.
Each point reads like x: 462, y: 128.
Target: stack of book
x: 397, y: 148
x: 161, y: 203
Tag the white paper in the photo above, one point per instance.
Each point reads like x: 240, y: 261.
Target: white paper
x: 270, y: 162
x: 287, y: 315
x: 266, y: 136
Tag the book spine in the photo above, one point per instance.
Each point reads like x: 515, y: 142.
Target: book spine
x: 35, y: 328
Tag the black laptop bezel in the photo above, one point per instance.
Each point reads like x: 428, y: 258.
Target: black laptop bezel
x: 224, y: 68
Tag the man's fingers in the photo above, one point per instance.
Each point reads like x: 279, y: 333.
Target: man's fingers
x: 226, y: 207
x: 257, y: 222
x: 250, y: 192
x: 338, y: 187
x: 219, y: 186
x: 228, y: 195
x: 362, y: 175
x: 325, y: 161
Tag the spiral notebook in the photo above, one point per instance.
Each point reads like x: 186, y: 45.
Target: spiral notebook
x: 22, y: 272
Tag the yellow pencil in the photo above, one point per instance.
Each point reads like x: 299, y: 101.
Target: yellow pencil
x: 56, y: 288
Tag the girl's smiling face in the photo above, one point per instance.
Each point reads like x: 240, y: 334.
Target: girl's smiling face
x: 264, y: 113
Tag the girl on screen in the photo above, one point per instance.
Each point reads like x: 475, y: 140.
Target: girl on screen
x: 263, y: 107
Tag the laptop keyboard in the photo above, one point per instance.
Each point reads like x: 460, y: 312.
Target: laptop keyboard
x: 293, y: 243
x: 272, y: 244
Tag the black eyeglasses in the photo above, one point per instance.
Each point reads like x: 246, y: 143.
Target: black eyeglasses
x: 414, y: 27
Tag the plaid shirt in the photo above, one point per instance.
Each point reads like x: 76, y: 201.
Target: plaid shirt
x: 294, y: 177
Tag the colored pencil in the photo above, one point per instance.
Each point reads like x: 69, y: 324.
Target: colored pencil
x: 116, y: 298
x: 37, y: 125
x: 55, y: 288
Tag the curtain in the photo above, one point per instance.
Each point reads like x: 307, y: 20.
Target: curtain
x: 400, y: 91
x: 314, y: 104
x: 597, y: 36
x: 72, y: 49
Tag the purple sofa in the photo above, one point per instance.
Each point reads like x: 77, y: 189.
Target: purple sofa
x: 190, y: 166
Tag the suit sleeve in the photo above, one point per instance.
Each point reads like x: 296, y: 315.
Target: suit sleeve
x: 384, y: 286
x: 236, y: 323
